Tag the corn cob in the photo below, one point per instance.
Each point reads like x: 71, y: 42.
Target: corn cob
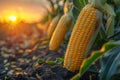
x: 52, y: 26
x: 80, y: 38
x: 60, y: 31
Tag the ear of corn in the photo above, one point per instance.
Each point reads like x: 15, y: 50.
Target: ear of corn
x: 60, y: 31
x: 52, y: 26
x: 80, y: 38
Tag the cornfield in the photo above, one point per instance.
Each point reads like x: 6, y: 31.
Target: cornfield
x: 61, y: 40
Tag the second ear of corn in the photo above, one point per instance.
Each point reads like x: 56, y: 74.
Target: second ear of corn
x: 60, y: 31
x: 81, y: 35
x: 52, y: 26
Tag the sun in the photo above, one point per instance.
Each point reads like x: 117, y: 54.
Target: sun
x: 12, y: 18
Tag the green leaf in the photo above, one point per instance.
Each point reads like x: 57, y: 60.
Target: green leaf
x: 110, y: 64
x: 95, y: 56
x: 110, y: 1
x: 110, y: 27
x: 102, y: 31
x: 40, y: 61
x: 117, y: 2
x: 116, y: 36
x: 88, y: 62
x: 45, y: 42
x: 59, y: 60
x: 110, y: 21
x: 75, y: 12
x: 77, y: 7
x: 79, y: 3
x: 76, y: 77
x: 118, y: 11
x: 51, y: 62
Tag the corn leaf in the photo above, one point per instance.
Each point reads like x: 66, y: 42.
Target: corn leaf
x: 75, y: 12
x: 110, y: 64
x: 117, y: 2
x: 94, y: 57
x: 77, y: 6
x: 79, y: 3
x: 50, y: 63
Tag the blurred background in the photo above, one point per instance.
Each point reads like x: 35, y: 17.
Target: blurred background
x: 21, y: 20
x: 23, y: 26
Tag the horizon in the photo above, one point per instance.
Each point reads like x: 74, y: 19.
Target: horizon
x: 25, y: 10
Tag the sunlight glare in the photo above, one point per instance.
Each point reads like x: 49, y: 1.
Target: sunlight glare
x: 13, y: 18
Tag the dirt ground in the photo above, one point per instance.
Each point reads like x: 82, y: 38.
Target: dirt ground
x: 24, y: 55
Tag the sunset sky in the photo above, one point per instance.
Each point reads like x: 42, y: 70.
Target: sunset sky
x: 27, y: 10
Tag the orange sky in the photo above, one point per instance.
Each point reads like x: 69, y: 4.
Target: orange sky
x: 27, y: 10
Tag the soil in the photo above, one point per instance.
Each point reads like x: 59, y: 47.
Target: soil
x: 24, y: 56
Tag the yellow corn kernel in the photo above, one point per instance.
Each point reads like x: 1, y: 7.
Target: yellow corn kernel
x: 52, y: 26
x: 60, y: 31
x: 80, y: 38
